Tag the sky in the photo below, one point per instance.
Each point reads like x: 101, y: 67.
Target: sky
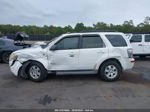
x: 70, y: 12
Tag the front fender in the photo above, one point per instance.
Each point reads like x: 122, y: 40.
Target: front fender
x: 42, y: 60
x: 22, y: 71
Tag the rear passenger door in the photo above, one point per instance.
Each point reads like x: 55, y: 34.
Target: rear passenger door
x: 147, y: 44
x: 137, y: 44
x: 92, y: 48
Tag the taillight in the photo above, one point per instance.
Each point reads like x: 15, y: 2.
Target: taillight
x: 130, y: 53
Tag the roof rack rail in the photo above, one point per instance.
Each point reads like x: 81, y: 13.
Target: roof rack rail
x: 141, y: 33
x: 86, y: 31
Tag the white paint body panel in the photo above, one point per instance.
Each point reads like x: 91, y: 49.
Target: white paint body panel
x: 89, y: 58
x: 146, y: 46
x: 138, y: 47
x: 15, y: 68
x: 63, y: 60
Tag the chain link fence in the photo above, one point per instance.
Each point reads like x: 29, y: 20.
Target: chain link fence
x: 33, y: 37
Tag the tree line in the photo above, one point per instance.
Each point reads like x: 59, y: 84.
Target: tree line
x: 126, y: 27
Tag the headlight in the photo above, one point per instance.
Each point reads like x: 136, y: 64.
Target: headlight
x: 13, y: 57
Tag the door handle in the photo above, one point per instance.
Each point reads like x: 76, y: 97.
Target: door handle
x: 140, y: 45
x: 71, y: 54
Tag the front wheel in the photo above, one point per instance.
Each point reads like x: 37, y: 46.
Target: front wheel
x: 110, y: 71
x: 37, y: 72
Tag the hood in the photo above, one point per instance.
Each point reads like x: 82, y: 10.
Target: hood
x: 30, y: 53
x: 30, y: 50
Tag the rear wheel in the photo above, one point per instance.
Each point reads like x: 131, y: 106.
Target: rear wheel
x: 37, y: 72
x: 5, y: 57
x: 110, y: 71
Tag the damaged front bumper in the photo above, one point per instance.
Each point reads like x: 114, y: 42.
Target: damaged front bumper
x: 15, y: 67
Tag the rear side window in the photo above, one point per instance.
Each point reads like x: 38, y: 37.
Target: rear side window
x: 147, y: 38
x: 92, y: 41
x: 2, y: 43
x: 136, y: 38
x: 117, y: 40
x: 68, y: 43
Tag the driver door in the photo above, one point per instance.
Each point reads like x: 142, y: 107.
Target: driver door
x: 137, y: 44
x: 147, y: 44
x: 66, y: 55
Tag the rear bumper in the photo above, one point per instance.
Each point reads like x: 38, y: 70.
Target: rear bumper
x: 129, y: 63
x: 15, y: 67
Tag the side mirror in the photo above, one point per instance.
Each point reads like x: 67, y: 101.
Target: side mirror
x: 53, y: 48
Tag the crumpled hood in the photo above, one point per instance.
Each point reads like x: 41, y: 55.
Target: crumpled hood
x: 29, y: 50
x: 30, y: 53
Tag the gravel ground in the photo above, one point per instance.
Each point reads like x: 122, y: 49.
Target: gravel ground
x: 132, y: 91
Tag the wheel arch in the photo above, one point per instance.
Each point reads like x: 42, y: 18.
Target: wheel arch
x: 27, y: 63
x: 23, y: 70
x: 111, y: 59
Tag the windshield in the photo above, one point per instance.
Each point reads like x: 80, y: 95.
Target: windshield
x: 47, y: 43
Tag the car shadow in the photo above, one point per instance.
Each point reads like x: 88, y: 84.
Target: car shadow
x: 127, y: 76
x: 142, y: 59
x: 73, y: 77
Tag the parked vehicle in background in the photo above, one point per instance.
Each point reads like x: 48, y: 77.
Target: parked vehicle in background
x: 104, y: 53
x: 128, y: 35
x: 39, y: 44
x: 7, y: 46
x: 140, y: 44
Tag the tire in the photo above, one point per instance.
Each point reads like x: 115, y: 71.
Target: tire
x: 110, y: 71
x: 36, y: 72
x: 5, y: 57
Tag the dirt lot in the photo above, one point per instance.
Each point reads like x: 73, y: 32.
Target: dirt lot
x: 132, y: 91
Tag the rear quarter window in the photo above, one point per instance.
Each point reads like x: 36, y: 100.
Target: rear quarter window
x: 116, y: 40
x: 92, y: 41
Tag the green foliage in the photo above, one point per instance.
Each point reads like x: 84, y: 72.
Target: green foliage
x: 126, y: 27
x: 100, y: 26
x: 79, y: 27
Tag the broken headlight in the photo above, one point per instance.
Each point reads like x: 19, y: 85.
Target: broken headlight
x: 13, y: 57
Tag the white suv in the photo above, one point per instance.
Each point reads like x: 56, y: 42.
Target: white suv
x: 140, y: 44
x: 104, y: 53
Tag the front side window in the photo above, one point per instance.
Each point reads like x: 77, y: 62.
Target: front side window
x: 136, y: 38
x: 68, y: 43
x: 92, y: 41
x: 147, y: 38
x: 117, y: 40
